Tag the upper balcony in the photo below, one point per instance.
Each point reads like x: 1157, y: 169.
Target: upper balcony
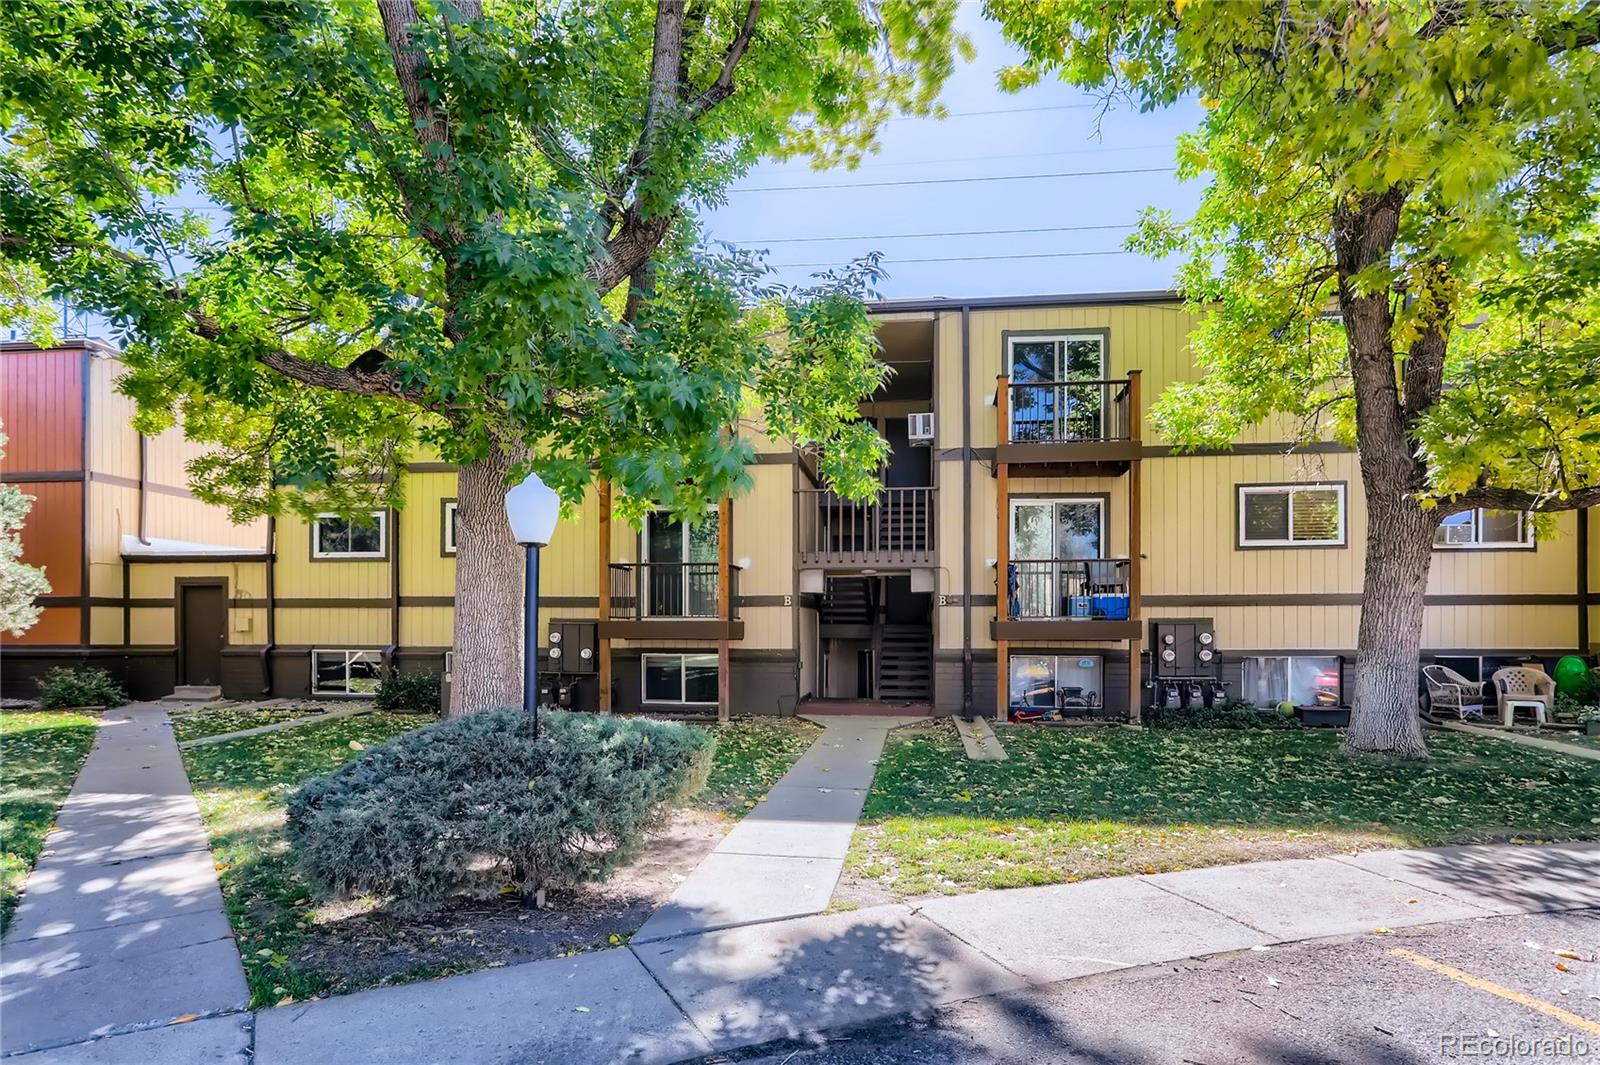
x: 1076, y: 427
x: 672, y: 600
x: 893, y: 528
x: 1067, y: 599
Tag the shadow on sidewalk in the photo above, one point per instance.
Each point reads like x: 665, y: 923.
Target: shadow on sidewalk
x: 1524, y: 879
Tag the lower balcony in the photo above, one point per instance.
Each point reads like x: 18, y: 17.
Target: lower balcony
x: 671, y: 600
x: 1067, y: 599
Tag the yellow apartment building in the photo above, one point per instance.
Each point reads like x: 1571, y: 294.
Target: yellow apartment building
x: 1035, y: 549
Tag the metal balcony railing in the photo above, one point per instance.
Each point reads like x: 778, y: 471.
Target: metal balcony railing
x: 1085, y: 589
x: 895, y: 527
x: 1057, y: 412
x: 643, y: 590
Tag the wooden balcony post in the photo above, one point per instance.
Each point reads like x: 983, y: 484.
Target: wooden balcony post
x: 725, y: 605
x: 1002, y: 550
x: 1135, y: 547
x: 603, y: 611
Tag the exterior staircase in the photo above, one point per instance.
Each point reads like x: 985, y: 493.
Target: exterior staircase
x: 196, y: 693
x: 905, y: 663
x: 846, y: 601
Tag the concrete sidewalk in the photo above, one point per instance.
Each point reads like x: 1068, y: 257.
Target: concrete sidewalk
x: 783, y: 859
x: 679, y: 998
x: 121, y: 924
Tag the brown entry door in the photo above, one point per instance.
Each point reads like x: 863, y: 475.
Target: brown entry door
x: 205, y: 631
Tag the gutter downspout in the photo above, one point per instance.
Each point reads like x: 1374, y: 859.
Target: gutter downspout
x: 144, y: 487
x: 394, y: 591
x: 272, y: 608
x: 1583, y: 582
x: 966, y: 512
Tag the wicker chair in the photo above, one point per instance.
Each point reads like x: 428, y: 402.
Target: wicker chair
x: 1518, y: 686
x: 1451, y: 693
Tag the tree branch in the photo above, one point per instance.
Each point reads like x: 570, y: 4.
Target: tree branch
x: 722, y: 88
x: 1517, y: 499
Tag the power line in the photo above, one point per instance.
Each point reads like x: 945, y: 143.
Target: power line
x: 997, y: 111
x: 960, y: 180
x: 880, y: 164
x: 910, y: 236
x: 968, y: 258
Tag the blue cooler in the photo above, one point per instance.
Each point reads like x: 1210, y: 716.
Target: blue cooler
x: 1111, y: 607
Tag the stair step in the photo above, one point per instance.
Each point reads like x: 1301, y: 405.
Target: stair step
x: 196, y: 693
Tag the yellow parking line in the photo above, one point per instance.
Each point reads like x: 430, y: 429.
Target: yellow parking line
x: 1583, y: 1024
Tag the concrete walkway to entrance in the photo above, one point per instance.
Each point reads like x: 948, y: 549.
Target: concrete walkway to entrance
x: 784, y: 858
x: 121, y: 925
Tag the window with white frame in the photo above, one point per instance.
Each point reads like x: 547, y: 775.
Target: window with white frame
x: 1485, y: 528
x: 336, y: 536
x: 447, y: 527
x: 679, y: 678
x: 346, y: 672
x: 1302, y: 680
x: 1291, y: 515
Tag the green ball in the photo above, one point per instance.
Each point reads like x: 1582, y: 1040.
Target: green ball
x: 1571, y: 675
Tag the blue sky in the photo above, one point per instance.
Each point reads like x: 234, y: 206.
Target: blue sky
x: 1049, y: 129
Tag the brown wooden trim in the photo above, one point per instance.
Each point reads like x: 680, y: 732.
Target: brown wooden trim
x: 35, y: 476
x: 175, y: 560
x: 85, y: 368
x: 603, y: 602
x: 431, y: 600
x: 150, y: 486
x: 1135, y: 544
x: 444, y: 526
x: 671, y: 629
x: 725, y: 594
x: 1002, y: 490
x: 967, y: 707
x: 1284, y: 448
x: 1581, y: 579
x: 984, y: 303
x: 776, y: 458
x: 430, y: 467
x: 1069, y: 454
x: 1062, y: 629
x: 766, y: 600
x: 1355, y: 599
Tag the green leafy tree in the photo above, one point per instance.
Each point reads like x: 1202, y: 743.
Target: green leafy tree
x: 457, y: 225
x: 21, y: 585
x: 1427, y: 171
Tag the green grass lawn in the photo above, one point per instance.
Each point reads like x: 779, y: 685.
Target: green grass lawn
x: 241, y: 787
x: 1073, y: 804
x: 215, y: 721
x: 40, y: 754
x: 752, y: 754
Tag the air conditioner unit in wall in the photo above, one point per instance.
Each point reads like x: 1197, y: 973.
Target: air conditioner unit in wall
x: 919, y: 428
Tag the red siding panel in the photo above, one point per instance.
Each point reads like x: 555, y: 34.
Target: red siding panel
x: 41, y: 410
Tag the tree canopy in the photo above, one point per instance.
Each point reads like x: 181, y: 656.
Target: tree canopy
x: 1469, y: 133
x: 330, y: 233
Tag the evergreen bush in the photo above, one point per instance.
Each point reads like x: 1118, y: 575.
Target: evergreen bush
x: 64, y: 688
x: 417, y: 692
x: 473, y: 803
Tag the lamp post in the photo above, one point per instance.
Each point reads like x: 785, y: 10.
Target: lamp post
x: 532, y: 508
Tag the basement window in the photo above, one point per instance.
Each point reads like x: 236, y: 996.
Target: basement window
x: 346, y: 672
x: 680, y: 678
x: 336, y: 536
x: 447, y: 527
x: 1301, y: 680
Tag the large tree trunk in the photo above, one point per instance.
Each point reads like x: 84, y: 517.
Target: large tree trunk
x: 1383, y: 716
x: 488, y: 631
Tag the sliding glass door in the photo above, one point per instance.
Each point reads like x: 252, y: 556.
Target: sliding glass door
x: 681, y: 566
x: 1049, y: 538
x: 1055, y: 393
